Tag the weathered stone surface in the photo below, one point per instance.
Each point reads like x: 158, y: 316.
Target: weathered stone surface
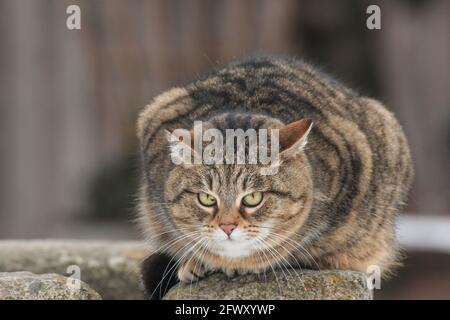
x: 110, y: 268
x: 305, y: 285
x: 30, y: 286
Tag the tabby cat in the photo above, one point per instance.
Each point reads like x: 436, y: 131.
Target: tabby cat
x: 344, y: 172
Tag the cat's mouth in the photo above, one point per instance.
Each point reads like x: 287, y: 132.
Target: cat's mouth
x: 227, y: 240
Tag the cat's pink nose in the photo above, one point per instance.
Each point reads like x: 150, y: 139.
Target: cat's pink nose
x: 228, y: 228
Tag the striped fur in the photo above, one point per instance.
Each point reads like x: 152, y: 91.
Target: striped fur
x: 332, y: 206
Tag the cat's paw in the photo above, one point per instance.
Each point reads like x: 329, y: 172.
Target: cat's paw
x: 243, y: 272
x: 230, y: 273
x: 191, y: 271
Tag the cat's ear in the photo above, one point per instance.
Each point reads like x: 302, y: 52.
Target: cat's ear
x: 293, y: 136
x: 181, y: 144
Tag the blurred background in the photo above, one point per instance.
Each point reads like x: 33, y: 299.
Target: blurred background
x: 69, y: 101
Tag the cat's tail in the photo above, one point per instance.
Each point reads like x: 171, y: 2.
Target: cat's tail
x: 158, y: 275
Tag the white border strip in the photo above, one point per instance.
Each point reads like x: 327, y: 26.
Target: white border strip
x: 424, y: 232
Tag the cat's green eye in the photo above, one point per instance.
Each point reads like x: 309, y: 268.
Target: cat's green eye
x: 206, y: 199
x: 253, y: 199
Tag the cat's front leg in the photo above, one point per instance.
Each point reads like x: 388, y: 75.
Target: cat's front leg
x: 191, y: 270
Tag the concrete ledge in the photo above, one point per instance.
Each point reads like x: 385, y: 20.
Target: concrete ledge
x: 299, y: 285
x: 112, y: 270
x: 30, y: 286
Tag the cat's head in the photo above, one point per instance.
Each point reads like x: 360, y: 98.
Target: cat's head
x: 239, y: 209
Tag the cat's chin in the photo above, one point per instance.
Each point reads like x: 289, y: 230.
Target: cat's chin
x: 234, y: 248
